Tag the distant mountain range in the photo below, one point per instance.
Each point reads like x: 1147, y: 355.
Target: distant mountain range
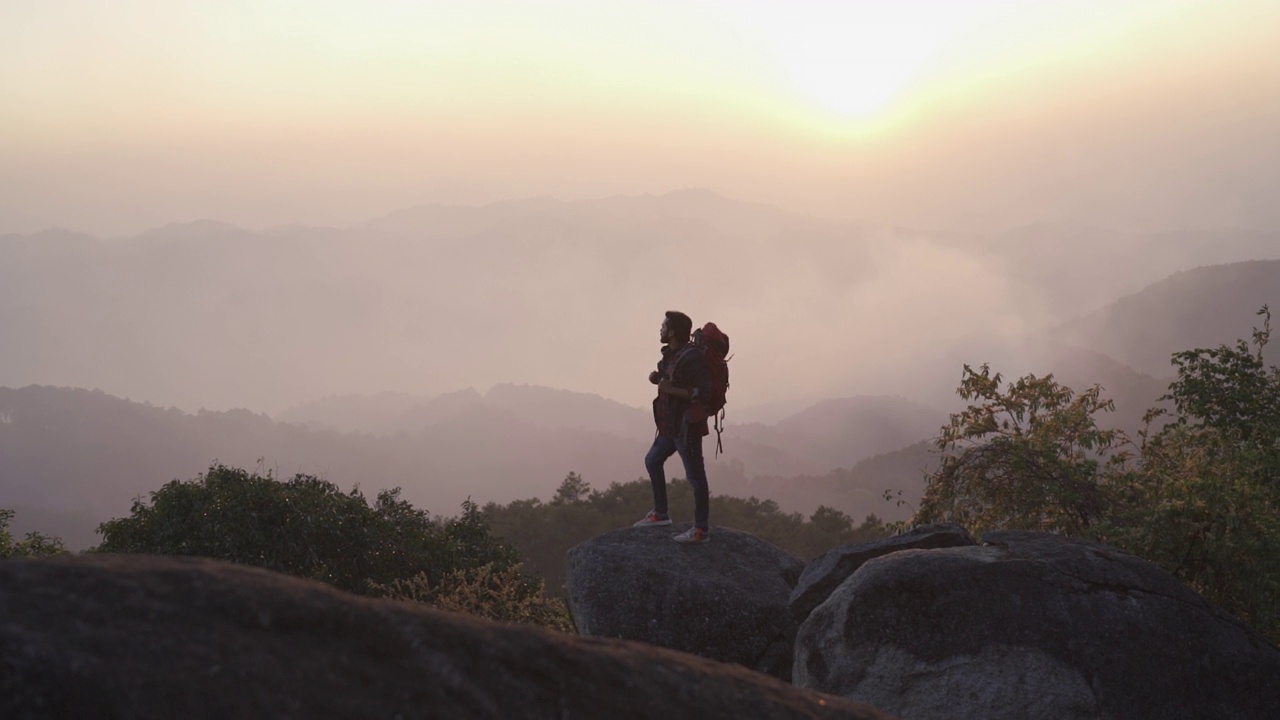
x: 831, y: 433
x: 391, y: 413
x: 559, y: 294
x: 69, y: 454
x: 430, y: 298
x: 1070, y: 268
x: 424, y: 301
x: 1203, y: 307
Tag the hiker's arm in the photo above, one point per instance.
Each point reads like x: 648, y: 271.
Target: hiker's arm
x: 666, y: 386
x: 656, y: 376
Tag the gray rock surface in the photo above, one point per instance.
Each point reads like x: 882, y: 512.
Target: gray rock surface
x: 827, y: 571
x: 1033, y: 626
x: 725, y: 599
x: 155, y: 637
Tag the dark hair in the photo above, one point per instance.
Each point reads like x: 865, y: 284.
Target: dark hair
x: 679, y: 324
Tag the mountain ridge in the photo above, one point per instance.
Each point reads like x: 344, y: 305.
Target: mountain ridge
x: 1206, y: 306
x: 84, y: 452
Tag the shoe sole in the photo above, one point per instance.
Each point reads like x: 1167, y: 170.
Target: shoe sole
x: 660, y: 523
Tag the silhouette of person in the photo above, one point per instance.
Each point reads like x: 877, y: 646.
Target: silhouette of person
x: 681, y: 378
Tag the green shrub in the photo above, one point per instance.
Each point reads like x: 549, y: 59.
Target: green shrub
x: 34, y: 545
x: 306, y: 527
x: 1204, y: 501
x: 488, y: 591
x: 1199, y: 495
x: 1028, y: 456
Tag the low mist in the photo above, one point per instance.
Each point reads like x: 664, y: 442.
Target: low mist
x: 437, y: 299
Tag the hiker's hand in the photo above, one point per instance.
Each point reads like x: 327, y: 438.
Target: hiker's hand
x: 655, y: 377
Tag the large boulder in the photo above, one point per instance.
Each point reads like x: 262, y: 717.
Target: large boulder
x: 725, y: 599
x: 154, y: 637
x: 1033, y: 626
x: 827, y: 571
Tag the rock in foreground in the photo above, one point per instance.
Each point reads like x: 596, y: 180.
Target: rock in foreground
x: 725, y: 599
x: 1034, y: 626
x: 827, y: 571
x: 155, y: 637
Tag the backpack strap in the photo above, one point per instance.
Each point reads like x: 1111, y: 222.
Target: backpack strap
x: 676, y: 359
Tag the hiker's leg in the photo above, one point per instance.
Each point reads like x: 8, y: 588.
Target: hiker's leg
x: 695, y: 469
x: 663, y: 448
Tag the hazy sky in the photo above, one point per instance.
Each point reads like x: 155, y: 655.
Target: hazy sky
x: 946, y: 114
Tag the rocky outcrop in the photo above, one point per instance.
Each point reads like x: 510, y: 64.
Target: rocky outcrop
x: 827, y: 571
x: 1031, y: 626
x: 154, y: 637
x: 725, y: 599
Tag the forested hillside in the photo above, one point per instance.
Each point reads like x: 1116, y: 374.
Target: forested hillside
x: 1058, y: 266
x: 1201, y: 307
x: 74, y: 458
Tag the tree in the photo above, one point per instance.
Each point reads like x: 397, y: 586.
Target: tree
x: 573, y: 489
x: 1205, y: 500
x: 1200, y: 495
x: 1028, y: 456
x: 34, y: 545
x: 1229, y: 389
x: 306, y: 527
x: 507, y: 595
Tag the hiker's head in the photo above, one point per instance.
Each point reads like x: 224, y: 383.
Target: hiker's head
x: 676, y: 327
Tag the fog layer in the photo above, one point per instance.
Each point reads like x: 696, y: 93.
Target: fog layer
x: 566, y: 295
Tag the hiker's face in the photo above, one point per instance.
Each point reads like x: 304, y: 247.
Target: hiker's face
x: 664, y: 333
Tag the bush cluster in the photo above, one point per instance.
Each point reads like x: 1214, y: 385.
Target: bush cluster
x: 1198, y: 491
x: 33, y: 545
x: 308, y: 527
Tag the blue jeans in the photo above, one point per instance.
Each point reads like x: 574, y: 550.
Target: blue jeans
x: 690, y: 449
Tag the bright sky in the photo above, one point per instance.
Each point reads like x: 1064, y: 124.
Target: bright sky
x: 124, y: 114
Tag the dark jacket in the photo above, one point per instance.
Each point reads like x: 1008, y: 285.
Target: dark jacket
x: 687, y: 369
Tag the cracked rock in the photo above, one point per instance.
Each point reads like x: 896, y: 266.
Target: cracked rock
x: 827, y: 571
x: 724, y: 600
x: 150, y: 637
x: 1033, y: 625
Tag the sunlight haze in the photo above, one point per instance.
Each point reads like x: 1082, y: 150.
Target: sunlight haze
x: 121, y: 116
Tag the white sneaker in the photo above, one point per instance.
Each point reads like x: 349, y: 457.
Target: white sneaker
x: 693, y: 535
x: 653, y: 519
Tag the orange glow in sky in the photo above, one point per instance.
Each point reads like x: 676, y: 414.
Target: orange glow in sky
x: 118, y: 115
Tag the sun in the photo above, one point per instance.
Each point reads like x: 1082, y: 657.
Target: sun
x: 853, y: 60
x: 851, y: 82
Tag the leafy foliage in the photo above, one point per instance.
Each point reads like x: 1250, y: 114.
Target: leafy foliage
x: 309, y: 528
x: 489, y: 591
x: 1205, y: 500
x: 34, y: 545
x: 544, y: 532
x: 1200, y: 495
x: 1230, y: 389
x: 1030, y: 456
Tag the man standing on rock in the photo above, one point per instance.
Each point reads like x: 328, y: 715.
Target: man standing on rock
x: 681, y: 378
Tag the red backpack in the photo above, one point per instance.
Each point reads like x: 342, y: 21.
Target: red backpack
x: 713, y: 344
